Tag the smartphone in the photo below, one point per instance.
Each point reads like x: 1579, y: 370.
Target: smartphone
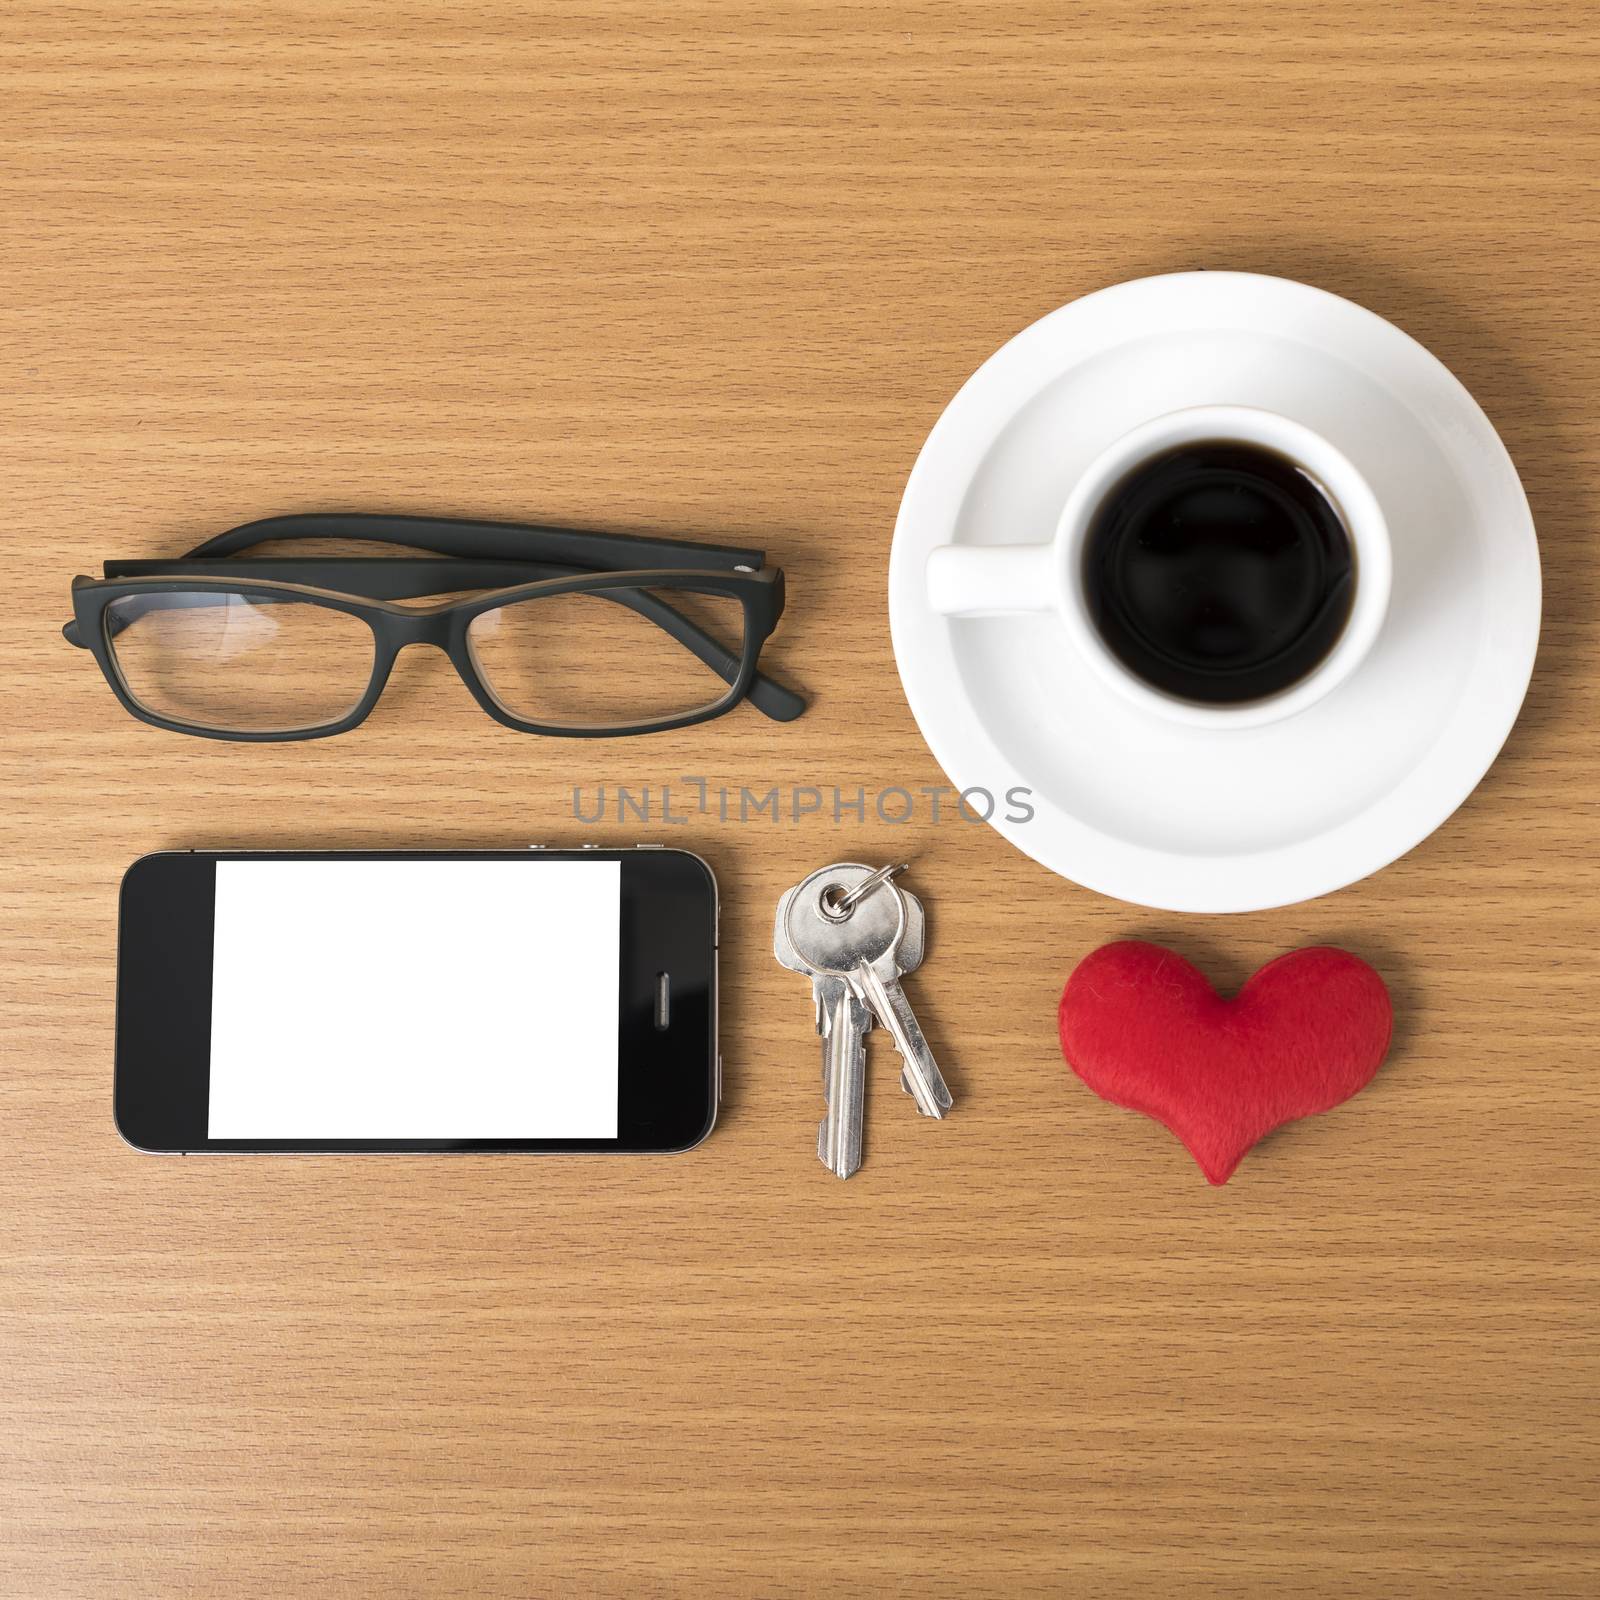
x: 531, y: 1000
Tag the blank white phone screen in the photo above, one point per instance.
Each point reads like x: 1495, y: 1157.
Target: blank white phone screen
x: 415, y: 1000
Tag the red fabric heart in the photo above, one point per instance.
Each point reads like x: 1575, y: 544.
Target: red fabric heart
x: 1144, y: 1029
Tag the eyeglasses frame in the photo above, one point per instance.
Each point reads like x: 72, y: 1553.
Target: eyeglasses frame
x: 369, y: 587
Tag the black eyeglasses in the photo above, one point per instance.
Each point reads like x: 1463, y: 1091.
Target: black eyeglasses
x: 576, y: 634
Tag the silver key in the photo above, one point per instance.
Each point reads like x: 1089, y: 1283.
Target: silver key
x: 855, y: 961
x: 800, y: 932
x: 843, y: 1022
x: 879, y: 985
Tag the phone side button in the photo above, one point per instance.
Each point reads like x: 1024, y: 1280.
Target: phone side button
x: 719, y: 1077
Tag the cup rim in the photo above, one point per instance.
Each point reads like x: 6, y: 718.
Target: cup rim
x: 1339, y: 479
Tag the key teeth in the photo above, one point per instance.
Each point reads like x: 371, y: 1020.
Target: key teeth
x: 941, y: 1107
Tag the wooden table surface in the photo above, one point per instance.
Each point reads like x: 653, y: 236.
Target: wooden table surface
x: 714, y: 269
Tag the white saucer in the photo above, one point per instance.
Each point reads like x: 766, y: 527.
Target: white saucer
x: 1147, y: 810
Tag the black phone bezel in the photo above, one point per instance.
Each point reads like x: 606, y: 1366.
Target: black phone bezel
x: 668, y: 1076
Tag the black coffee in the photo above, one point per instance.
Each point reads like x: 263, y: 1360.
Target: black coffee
x: 1219, y: 572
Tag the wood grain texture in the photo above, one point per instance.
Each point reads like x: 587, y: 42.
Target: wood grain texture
x: 715, y: 268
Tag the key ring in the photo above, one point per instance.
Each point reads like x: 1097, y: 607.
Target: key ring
x: 836, y: 907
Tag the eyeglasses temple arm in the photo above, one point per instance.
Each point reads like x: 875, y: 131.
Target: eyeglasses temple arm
x: 765, y: 694
x: 490, y: 541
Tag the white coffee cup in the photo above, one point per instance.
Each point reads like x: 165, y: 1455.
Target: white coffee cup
x: 975, y: 580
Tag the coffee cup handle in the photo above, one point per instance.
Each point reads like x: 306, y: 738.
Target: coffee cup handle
x: 973, y: 580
